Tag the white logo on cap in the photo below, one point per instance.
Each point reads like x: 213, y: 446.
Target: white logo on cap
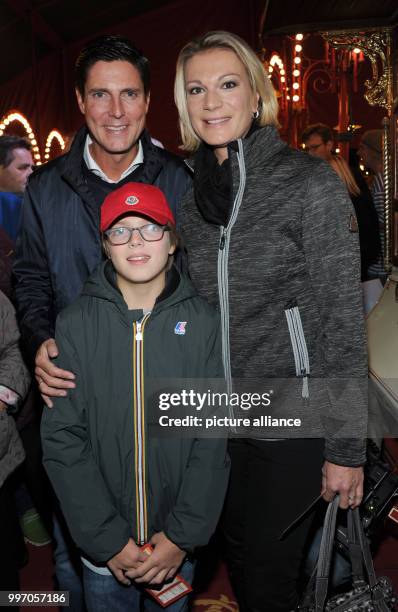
x: 131, y: 200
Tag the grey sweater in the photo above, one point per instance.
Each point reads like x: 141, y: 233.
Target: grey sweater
x: 285, y: 274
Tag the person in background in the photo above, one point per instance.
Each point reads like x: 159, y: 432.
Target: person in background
x: 14, y: 384
x: 266, y: 229
x: 370, y: 152
x: 30, y: 481
x: 16, y: 165
x: 318, y: 141
x: 59, y: 244
x: 120, y: 487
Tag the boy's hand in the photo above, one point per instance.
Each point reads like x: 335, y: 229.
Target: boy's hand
x: 129, y: 557
x: 162, y: 564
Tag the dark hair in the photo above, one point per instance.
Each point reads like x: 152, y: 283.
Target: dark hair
x: 7, y: 146
x: 320, y: 129
x: 110, y: 49
x: 175, y: 238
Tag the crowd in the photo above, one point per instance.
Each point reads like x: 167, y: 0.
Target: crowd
x: 132, y: 265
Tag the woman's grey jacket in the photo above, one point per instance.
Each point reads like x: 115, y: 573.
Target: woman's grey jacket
x: 285, y: 273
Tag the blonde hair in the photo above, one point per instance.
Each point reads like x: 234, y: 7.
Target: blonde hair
x: 341, y: 168
x: 259, y: 81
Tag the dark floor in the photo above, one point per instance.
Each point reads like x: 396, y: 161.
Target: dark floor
x: 215, y: 596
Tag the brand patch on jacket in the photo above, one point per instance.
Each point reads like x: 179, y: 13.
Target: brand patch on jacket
x: 180, y: 328
x: 131, y: 200
x: 353, y: 224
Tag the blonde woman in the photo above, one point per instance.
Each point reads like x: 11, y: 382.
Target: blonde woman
x: 267, y: 235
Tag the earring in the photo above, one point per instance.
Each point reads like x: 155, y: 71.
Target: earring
x: 256, y: 114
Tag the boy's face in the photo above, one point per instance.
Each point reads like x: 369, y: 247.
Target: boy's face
x: 139, y: 261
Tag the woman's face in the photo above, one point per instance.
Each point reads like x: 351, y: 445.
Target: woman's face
x: 219, y: 98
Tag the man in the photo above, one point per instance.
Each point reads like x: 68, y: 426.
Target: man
x: 59, y: 242
x: 371, y: 151
x: 318, y: 141
x: 16, y: 165
x: 112, y: 89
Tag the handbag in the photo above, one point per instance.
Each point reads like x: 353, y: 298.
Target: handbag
x: 380, y: 490
x: 368, y: 593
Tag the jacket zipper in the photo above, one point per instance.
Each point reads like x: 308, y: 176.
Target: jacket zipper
x: 222, y: 269
x: 139, y: 431
x: 299, y: 345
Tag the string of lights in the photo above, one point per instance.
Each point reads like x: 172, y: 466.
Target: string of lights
x: 296, y: 75
x: 20, y: 118
x: 53, y: 134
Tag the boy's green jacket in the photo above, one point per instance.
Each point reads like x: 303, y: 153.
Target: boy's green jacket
x: 113, y: 480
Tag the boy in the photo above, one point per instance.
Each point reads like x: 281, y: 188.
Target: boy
x: 137, y: 318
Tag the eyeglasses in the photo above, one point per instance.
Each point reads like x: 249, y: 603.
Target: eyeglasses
x: 122, y: 235
x: 313, y: 147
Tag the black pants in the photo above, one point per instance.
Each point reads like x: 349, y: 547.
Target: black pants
x: 271, y: 484
x: 11, y: 542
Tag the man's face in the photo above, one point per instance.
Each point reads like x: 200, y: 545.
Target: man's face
x: 316, y: 147
x: 15, y: 176
x: 115, y: 106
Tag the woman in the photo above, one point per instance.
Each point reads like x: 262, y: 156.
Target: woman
x: 267, y: 235
x: 365, y: 212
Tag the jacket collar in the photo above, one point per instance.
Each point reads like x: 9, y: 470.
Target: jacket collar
x: 261, y: 143
x: 72, y: 171
x: 102, y: 285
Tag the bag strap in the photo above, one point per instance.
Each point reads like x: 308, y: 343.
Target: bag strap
x: 362, y: 546
x: 325, y: 554
x: 354, y: 549
x: 359, y: 550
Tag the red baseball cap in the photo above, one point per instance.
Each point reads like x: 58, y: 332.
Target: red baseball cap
x: 136, y: 199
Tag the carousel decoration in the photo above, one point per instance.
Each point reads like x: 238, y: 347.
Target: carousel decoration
x: 376, y: 45
x: 322, y: 75
x: 54, y: 134
x: 338, y: 71
x: 16, y: 116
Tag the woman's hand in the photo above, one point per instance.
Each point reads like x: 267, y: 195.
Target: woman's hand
x: 347, y: 481
x: 162, y: 564
x: 52, y: 381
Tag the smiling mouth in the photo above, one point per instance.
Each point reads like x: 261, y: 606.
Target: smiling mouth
x: 115, y: 128
x: 217, y: 121
x: 138, y: 259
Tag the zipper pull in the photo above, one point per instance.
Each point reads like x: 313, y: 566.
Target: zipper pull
x: 305, y: 393
x: 222, y: 240
x: 138, y: 335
